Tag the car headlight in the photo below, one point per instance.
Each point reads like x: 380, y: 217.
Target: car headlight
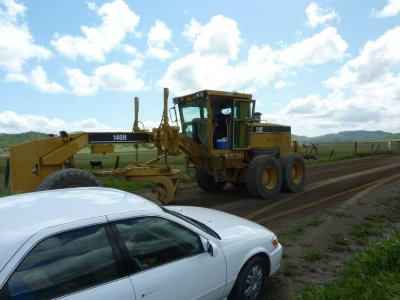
x: 275, y: 242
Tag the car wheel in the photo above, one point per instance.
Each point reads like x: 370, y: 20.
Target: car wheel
x: 249, y: 284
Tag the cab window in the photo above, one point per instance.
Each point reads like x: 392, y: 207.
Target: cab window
x: 153, y: 241
x: 64, y: 263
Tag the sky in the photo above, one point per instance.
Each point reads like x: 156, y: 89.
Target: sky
x: 319, y: 66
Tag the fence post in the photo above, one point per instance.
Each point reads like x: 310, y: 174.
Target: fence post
x: 116, y: 163
x: 377, y: 148
x: 7, y: 174
x: 355, y: 147
x: 333, y: 151
x: 372, y: 147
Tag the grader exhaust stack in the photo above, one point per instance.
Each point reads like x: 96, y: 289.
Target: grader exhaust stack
x: 136, y: 121
x: 165, y: 114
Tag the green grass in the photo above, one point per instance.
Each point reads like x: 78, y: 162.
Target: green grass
x: 290, y: 269
x: 305, y: 244
x: 294, y: 231
x: 313, y: 223
x: 372, y: 274
x: 314, y: 256
x: 376, y: 218
x: 344, y: 151
x: 127, y: 155
x: 365, y: 230
x: 339, y: 244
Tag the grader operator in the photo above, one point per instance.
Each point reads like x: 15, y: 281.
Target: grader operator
x: 220, y: 134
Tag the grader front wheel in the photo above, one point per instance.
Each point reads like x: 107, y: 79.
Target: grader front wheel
x: 263, y: 177
x: 68, y: 178
x: 208, y: 183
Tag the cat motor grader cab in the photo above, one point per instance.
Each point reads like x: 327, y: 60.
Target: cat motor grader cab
x: 221, y: 136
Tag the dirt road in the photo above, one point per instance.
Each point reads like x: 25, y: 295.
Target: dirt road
x: 327, y: 184
x: 345, y: 207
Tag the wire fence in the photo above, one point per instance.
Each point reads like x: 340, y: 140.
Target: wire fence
x: 318, y: 150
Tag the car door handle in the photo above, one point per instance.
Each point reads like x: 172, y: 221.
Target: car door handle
x: 150, y: 291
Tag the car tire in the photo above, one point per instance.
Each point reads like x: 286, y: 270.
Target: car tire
x: 250, y: 282
x: 207, y: 182
x: 68, y: 178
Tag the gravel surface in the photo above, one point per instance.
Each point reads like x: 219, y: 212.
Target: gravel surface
x: 316, y: 247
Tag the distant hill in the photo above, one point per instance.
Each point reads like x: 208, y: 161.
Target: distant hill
x: 6, y: 140
x: 9, y: 139
x: 349, y: 136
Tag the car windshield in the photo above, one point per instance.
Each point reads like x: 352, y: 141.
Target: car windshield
x: 194, y: 222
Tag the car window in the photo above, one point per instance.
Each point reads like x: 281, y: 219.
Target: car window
x: 153, y: 241
x: 64, y: 263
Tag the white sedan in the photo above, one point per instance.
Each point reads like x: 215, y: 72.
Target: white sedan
x: 98, y: 243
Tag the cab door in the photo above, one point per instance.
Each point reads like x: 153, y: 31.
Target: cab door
x: 243, y: 118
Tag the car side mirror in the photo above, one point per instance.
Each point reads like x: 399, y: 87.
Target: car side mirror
x: 210, y: 247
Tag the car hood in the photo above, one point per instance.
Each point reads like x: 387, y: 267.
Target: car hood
x: 226, y: 225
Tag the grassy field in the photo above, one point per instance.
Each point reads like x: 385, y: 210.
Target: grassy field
x: 127, y: 155
x: 372, y: 274
x: 333, y: 152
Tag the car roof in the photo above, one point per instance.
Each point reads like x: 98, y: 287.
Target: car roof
x: 21, y: 216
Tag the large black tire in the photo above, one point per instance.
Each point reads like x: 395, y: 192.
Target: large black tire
x: 294, y: 172
x: 263, y: 177
x: 207, y: 182
x: 68, y: 178
x: 250, y: 282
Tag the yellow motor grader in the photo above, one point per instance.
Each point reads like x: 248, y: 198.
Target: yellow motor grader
x: 221, y: 135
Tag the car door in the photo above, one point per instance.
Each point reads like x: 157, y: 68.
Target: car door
x: 169, y: 261
x: 80, y: 263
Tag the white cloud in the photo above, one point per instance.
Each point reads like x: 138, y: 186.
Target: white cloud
x: 117, y: 22
x: 213, y: 64
x: 315, y: 115
x: 283, y: 84
x: 365, y: 94
x: 91, y: 5
x: 318, y: 16
x: 192, y: 30
x: 12, y: 9
x: 16, y: 42
x: 112, y: 77
x: 16, y: 77
x: 220, y: 37
x: 81, y: 84
x: 158, y: 37
x: 40, y: 81
x: 391, y: 9
x: 318, y: 49
x: 11, y: 122
x: 377, y: 60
